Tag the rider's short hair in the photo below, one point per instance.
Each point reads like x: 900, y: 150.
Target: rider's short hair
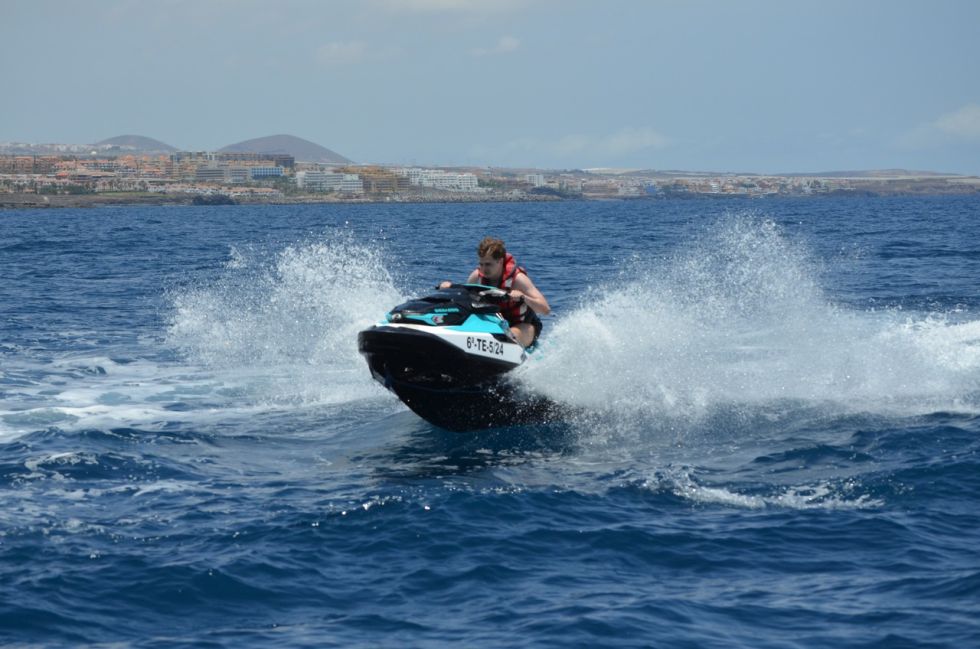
x: 490, y: 246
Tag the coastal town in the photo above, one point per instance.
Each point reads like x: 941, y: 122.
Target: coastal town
x: 79, y: 174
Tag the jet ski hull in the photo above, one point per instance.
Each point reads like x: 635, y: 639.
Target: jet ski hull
x: 417, y: 355
x: 447, y: 357
x: 493, y: 403
x: 445, y: 385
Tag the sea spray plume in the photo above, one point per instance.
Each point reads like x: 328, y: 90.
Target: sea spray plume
x: 737, y: 320
x: 650, y: 341
x: 296, y: 314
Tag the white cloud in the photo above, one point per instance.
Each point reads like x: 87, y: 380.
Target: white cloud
x: 961, y: 124
x: 623, y: 142
x: 449, y: 6
x: 964, y: 122
x: 341, y: 53
x: 629, y: 140
x: 505, y: 45
x: 569, y: 144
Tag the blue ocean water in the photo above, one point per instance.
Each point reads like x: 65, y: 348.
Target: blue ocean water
x: 773, y: 439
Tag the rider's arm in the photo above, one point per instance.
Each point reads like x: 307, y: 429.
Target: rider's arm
x: 523, y: 286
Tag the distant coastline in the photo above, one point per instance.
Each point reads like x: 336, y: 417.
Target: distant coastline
x: 45, y: 201
x: 285, y: 169
x: 863, y: 187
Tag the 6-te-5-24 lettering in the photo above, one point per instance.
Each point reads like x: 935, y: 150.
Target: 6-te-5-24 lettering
x: 486, y: 346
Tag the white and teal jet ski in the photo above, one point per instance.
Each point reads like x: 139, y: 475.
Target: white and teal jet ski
x: 447, y: 356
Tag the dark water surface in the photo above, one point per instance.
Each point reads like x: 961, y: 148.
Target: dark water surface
x: 775, y: 439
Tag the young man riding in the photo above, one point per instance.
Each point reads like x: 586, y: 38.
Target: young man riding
x: 498, y: 268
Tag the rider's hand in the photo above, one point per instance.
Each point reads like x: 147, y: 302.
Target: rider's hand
x: 516, y: 296
x: 445, y: 284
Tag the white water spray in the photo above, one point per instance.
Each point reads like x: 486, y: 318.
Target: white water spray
x: 289, y: 325
x: 739, y: 319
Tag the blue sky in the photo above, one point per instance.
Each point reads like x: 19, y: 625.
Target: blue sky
x: 760, y: 86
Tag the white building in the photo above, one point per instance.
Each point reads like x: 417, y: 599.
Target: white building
x: 437, y: 179
x: 413, y: 174
x: 352, y: 184
x: 320, y: 181
x: 210, y: 174
x: 238, y: 175
x: 452, y: 182
x: 535, y: 180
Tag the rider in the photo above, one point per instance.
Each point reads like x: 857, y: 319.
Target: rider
x: 498, y: 268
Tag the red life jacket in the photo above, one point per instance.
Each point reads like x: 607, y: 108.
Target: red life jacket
x: 513, y: 312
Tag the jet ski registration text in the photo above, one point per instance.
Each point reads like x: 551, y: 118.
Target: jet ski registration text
x: 485, y: 346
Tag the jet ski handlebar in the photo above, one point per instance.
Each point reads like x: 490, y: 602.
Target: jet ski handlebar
x: 494, y: 296
x: 488, y: 294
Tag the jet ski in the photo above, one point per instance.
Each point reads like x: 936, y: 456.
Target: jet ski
x: 447, y: 356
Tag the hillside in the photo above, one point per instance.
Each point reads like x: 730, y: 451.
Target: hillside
x: 137, y: 143
x: 302, y: 150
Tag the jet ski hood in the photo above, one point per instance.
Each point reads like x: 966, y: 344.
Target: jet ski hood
x: 448, y: 307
